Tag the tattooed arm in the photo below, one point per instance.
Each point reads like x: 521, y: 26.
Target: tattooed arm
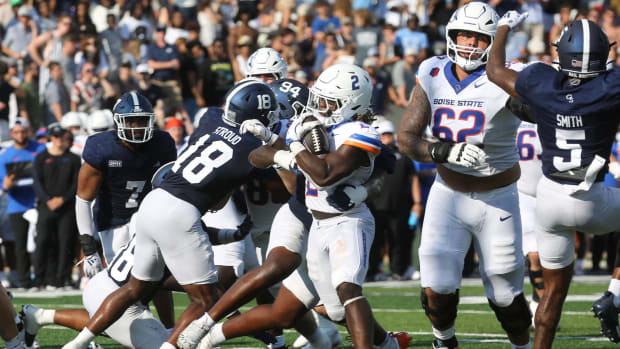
x: 412, y: 126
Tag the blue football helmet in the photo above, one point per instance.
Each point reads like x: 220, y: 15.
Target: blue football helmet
x: 583, y: 49
x: 292, y: 97
x: 134, y: 118
x: 250, y: 99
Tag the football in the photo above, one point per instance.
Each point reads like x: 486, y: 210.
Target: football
x: 316, y: 140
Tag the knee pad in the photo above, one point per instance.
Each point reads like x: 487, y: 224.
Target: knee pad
x: 441, y: 316
x: 514, y: 318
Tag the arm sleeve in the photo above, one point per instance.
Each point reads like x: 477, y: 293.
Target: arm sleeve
x: 39, y: 178
x: 84, y: 216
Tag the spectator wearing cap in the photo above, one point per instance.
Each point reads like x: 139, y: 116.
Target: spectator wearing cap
x: 41, y: 135
x: 16, y: 177
x: 380, y: 83
x: 18, y: 37
x: 152, y: 92
x: 164, y: 60
x: 55, y: 184
x: 392, y: 209
x: 244, y: 50
x: 403, y: 76
x: 176, y: 129
x: 412, y: 38
x: 56, y: 97
x: 365, y: 35
x: 13, y: 20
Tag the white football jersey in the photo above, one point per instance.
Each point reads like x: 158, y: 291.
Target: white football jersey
x: 530, y: 152
x: 356, y: 134
x: 472, y: 111
x: 264, y: 195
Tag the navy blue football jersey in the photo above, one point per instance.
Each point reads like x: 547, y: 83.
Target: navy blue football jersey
x: 126, y: 174
x: 214, y: 163
x: 575, y: 123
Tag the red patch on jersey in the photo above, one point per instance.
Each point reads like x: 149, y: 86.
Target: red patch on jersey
x: 48, y: 160
x: 434, y: 72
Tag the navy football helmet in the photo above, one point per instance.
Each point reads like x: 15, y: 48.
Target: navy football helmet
x: 134, y: 118
x: 250, y: 99
x: 583, y: 49
x: 292, y: 97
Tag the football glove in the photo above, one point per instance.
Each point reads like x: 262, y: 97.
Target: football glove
x: 347, y: 197
x: 259, y: 130
x: 92, y: 265
x: 462, y: 154
x: 512, y: 19
x: 298, y: 128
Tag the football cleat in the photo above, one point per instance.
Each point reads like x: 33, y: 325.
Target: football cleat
x: 192, y: 334
x: 605, y: 310
x: 438, y: 344
x: 30, y: 315
x: 327, y: 327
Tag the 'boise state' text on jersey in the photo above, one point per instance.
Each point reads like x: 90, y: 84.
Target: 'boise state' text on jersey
x: 126, y: 174
x: 472, y: 110
x: 574, y: 123
x: 214, y: 163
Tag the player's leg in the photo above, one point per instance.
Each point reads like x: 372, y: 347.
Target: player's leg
x: 606, y: 308
x: 8, y: 328
x: 443, y: 246
x: 499, y: 245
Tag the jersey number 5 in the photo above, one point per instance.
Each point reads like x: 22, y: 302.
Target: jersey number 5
x: 446, y: 132
x: 562, y: 139
x: 211, y: 157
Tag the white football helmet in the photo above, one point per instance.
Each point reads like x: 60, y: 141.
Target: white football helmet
x: 99, y: 121
x: 266, y: 61
x: 341, y: 93
x: 475, y: 17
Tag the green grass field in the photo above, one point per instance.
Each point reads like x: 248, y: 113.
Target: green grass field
x: 398, y: 309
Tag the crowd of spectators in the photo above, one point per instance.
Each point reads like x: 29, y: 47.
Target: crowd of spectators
x: 76, y: 57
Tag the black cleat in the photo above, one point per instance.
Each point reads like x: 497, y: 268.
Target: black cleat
x: 451, y: 343
x: 605, y: 310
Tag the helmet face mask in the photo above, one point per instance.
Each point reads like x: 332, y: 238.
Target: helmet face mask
x: 474, y: 17
x: 134, y: 118
x: 340, y: 94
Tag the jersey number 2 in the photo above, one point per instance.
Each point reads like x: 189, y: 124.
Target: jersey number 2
x: 213, y: 156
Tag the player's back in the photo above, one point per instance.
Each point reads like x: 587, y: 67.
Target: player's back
x: 126, y: 174
x: 473, y: 111
x: 530, y: 156
x: 575, y: 123
x: 214, y: 163
x: 356, y: 134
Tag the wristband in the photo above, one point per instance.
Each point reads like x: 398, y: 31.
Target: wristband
x: 296, y: 147
x: 284, y: 159
x: 89, y: 245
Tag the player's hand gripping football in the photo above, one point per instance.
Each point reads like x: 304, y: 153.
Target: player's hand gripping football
x: 512, y: 19
x: 298, y: 129
x: 462, y: 154
x: 92, y: 265
x: 259, y: 130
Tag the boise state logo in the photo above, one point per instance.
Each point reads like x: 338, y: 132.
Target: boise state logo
x: 434, y: 72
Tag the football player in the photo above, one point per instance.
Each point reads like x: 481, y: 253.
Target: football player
x: 577, y: 110
x: 474, y: 196
x: 340, y: 96
x: 266, y: 64
x: 202, y: 178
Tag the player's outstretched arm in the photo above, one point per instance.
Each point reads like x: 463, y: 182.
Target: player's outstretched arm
x: 497, y: 71
x: 413, y: 125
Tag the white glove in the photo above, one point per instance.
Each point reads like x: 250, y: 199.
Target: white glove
x: 259, y: 130
x: 614, y: 169
x: 466, y: 155
x: 298, y: 129
x: 512, y: 19
x: 92, y: 265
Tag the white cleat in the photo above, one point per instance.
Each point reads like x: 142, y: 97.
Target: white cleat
x: 205, y: 343
x: 192, y: 335
x: 326, y: 326
x: 32, y: 324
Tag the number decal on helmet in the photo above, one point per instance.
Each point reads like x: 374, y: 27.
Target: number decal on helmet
x: 355, y: 82
x: 264, y: 102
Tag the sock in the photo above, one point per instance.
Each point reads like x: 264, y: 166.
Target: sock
x: 316, y: 336
x: 207, y: 320
x: 524, y: 346
x: 217, y: 335
x: 84, y: 337
x: 14, y: 343
x: 167, y: 345
x: 614, y: 287
x: 46, y: 317
x: 445, y: 334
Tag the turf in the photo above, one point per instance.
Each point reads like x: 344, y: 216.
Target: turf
x: 398, y: 309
